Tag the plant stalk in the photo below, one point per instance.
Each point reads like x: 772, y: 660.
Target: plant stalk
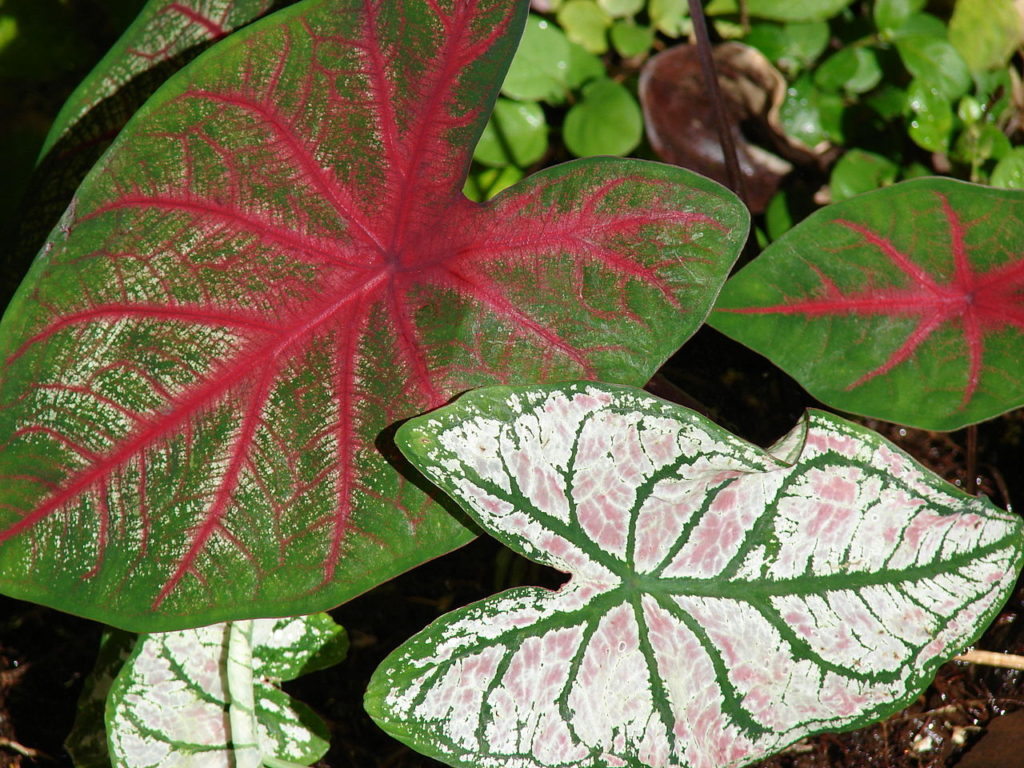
x: 707, y: 66
x: 971, y: 484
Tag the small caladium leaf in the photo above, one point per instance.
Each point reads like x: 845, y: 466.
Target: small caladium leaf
x: 272, y: 265
x: 904, y: 304
x: 211, y: 695
x: 724, y: 601
x: 87, y: 742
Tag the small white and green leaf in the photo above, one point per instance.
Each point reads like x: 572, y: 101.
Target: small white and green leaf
x: 724, y: 600
x: 87, y: 742
x: 209, y: 696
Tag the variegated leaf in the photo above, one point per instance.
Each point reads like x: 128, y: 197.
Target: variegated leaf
x: 209, y: 696
x: 724, y: 600
x: 274, y: 264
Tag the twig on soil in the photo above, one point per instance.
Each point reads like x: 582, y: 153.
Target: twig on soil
x: 992, y: 659
x: 21, y: 749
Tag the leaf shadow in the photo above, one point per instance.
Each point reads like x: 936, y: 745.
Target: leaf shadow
x: 52, y: 184
x: 386, y: 446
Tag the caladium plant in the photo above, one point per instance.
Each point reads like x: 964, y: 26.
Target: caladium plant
x: 904, y: 304
x: 211, y: 697
x: 724, y: 600
x: 272, y: 265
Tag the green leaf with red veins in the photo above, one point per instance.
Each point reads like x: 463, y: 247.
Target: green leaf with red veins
x: 724, y: 601
x: 904, y: 304
x: 164, y: 37
x: 272, y: 265
x: 163, y: 31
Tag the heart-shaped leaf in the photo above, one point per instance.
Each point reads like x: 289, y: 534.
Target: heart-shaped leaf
x: 904, y: 304
x: 272, y: 265
x: 724, y: 600
x: 211, y: 696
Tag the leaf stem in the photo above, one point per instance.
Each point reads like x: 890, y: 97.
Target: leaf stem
x: 992, y: 659
x: 707, y: 65
x: 241, y: 698
x: 971, y: 484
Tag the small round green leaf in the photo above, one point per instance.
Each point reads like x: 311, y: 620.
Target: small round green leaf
x: 583, y: 67
x: 986, y: 32
x: 585, y: 23
x: 1009, y: 172
x: 631, y: 39
x: 606, y: 121
x: 781, y: 10
x: 538, y: 70
x: 931, y: 116
x: 860, y: 171
x: 902, y: 304
x: 890, y: 15
x: 855, y: 70
x: 516, y: 134
x: 484, y: 183
x: 810, y: 115
x: 887, y: 100
x: 790, y: 46
x: 668, y: 16
x: 980, y: 142
x: 621, y: 8
x: 936, y: 62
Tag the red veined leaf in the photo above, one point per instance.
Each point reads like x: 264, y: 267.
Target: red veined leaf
x: 163, y: 30
x: 164, y: 36
x: 724, y: 600
x: 273, y: 264
x: 904, y: 304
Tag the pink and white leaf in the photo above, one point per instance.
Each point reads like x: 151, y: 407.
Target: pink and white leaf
x: 724, y: 600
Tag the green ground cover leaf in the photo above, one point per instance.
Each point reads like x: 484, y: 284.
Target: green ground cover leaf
x: 539, y: 70
x: 935, y: 62
x: 781, y: 10
x: 724, y: 600
x: 859, y: 171
x: 274, y: 264
x: 586, y: 24
x: 986, y: 32
x: 605, y: 121
x: 904, y: 304
x: 516, y: 134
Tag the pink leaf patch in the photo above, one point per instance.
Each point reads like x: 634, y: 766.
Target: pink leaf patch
x: 770, y: 607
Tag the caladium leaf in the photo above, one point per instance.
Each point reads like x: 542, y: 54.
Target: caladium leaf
x: 162, y: 32
x: 210, y: 696
x: 164, y: 36
x: 272, y: 265
x: 723, y: 601
x: 87, y: 742
x: 904, y: 304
